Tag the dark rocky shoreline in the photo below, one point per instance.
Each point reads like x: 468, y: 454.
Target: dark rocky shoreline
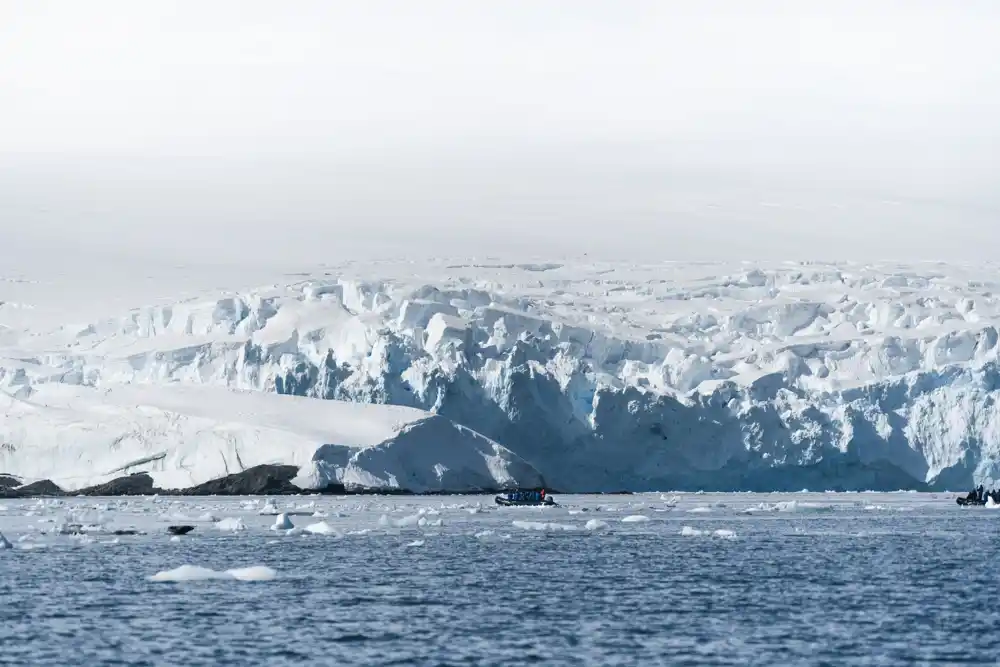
x: 262, y: 480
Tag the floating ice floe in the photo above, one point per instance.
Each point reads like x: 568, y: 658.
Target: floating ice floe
x: 688, y: 531
x: 321, y: 528
x: 543, y: 526
x: 196, y: 573
x: 410, y: 520
x: 270, y: 508
x: 789, y: 506
x: 231, y: 524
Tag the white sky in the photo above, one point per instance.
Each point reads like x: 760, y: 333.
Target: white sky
x: 260, y: 130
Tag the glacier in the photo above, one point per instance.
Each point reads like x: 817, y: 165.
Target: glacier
x: 585, y: 376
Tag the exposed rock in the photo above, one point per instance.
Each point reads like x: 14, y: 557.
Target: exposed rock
x: 8, y: 482
x: 179, y: 530
x: 137, y: 484
x: 41, y: 488
x: 257, y: 481
x: 270, y: 480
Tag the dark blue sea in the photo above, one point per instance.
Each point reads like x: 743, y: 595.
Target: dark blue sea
x: 712, y: 579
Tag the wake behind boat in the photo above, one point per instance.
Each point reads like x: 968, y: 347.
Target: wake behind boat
x: 528, y: 498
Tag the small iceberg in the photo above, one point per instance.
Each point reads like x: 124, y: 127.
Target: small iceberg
x: 270, y: 508
x: 232, y: 524
x: 321, y: 528
x: 282, y: 522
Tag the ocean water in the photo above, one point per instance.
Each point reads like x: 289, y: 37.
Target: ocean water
x: 838, y: 579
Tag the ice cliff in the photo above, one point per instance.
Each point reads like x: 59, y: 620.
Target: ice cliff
x: 598, y: 377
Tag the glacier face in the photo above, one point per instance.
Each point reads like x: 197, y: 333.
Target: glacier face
x: 604, y: 376
x: 182, y: 436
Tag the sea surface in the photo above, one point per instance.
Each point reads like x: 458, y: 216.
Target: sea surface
x: 703, y: 579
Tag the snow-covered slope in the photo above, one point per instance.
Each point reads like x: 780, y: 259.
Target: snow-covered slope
x: 601, y: 376
x: 182, y: 436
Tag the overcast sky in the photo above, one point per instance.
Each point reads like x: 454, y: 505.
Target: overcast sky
x: 295, y: 132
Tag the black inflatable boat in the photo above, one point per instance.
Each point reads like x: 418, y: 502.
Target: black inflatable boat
x: 501, y: 500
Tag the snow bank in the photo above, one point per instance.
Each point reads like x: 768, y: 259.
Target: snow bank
x: 196, y: 573
x: 667, y: 376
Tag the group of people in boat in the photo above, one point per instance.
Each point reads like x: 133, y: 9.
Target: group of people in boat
x: 979, y: 496
x: 527, y: 496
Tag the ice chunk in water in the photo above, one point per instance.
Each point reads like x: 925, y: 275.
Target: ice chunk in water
x: 688, y: 531
x: 196, y: 573
x: 539, y: 525
x: 233, y: 524
x: 269, y: 508
x: 321, y: 528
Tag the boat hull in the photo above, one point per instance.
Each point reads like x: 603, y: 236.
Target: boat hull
x: 548, y: 502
